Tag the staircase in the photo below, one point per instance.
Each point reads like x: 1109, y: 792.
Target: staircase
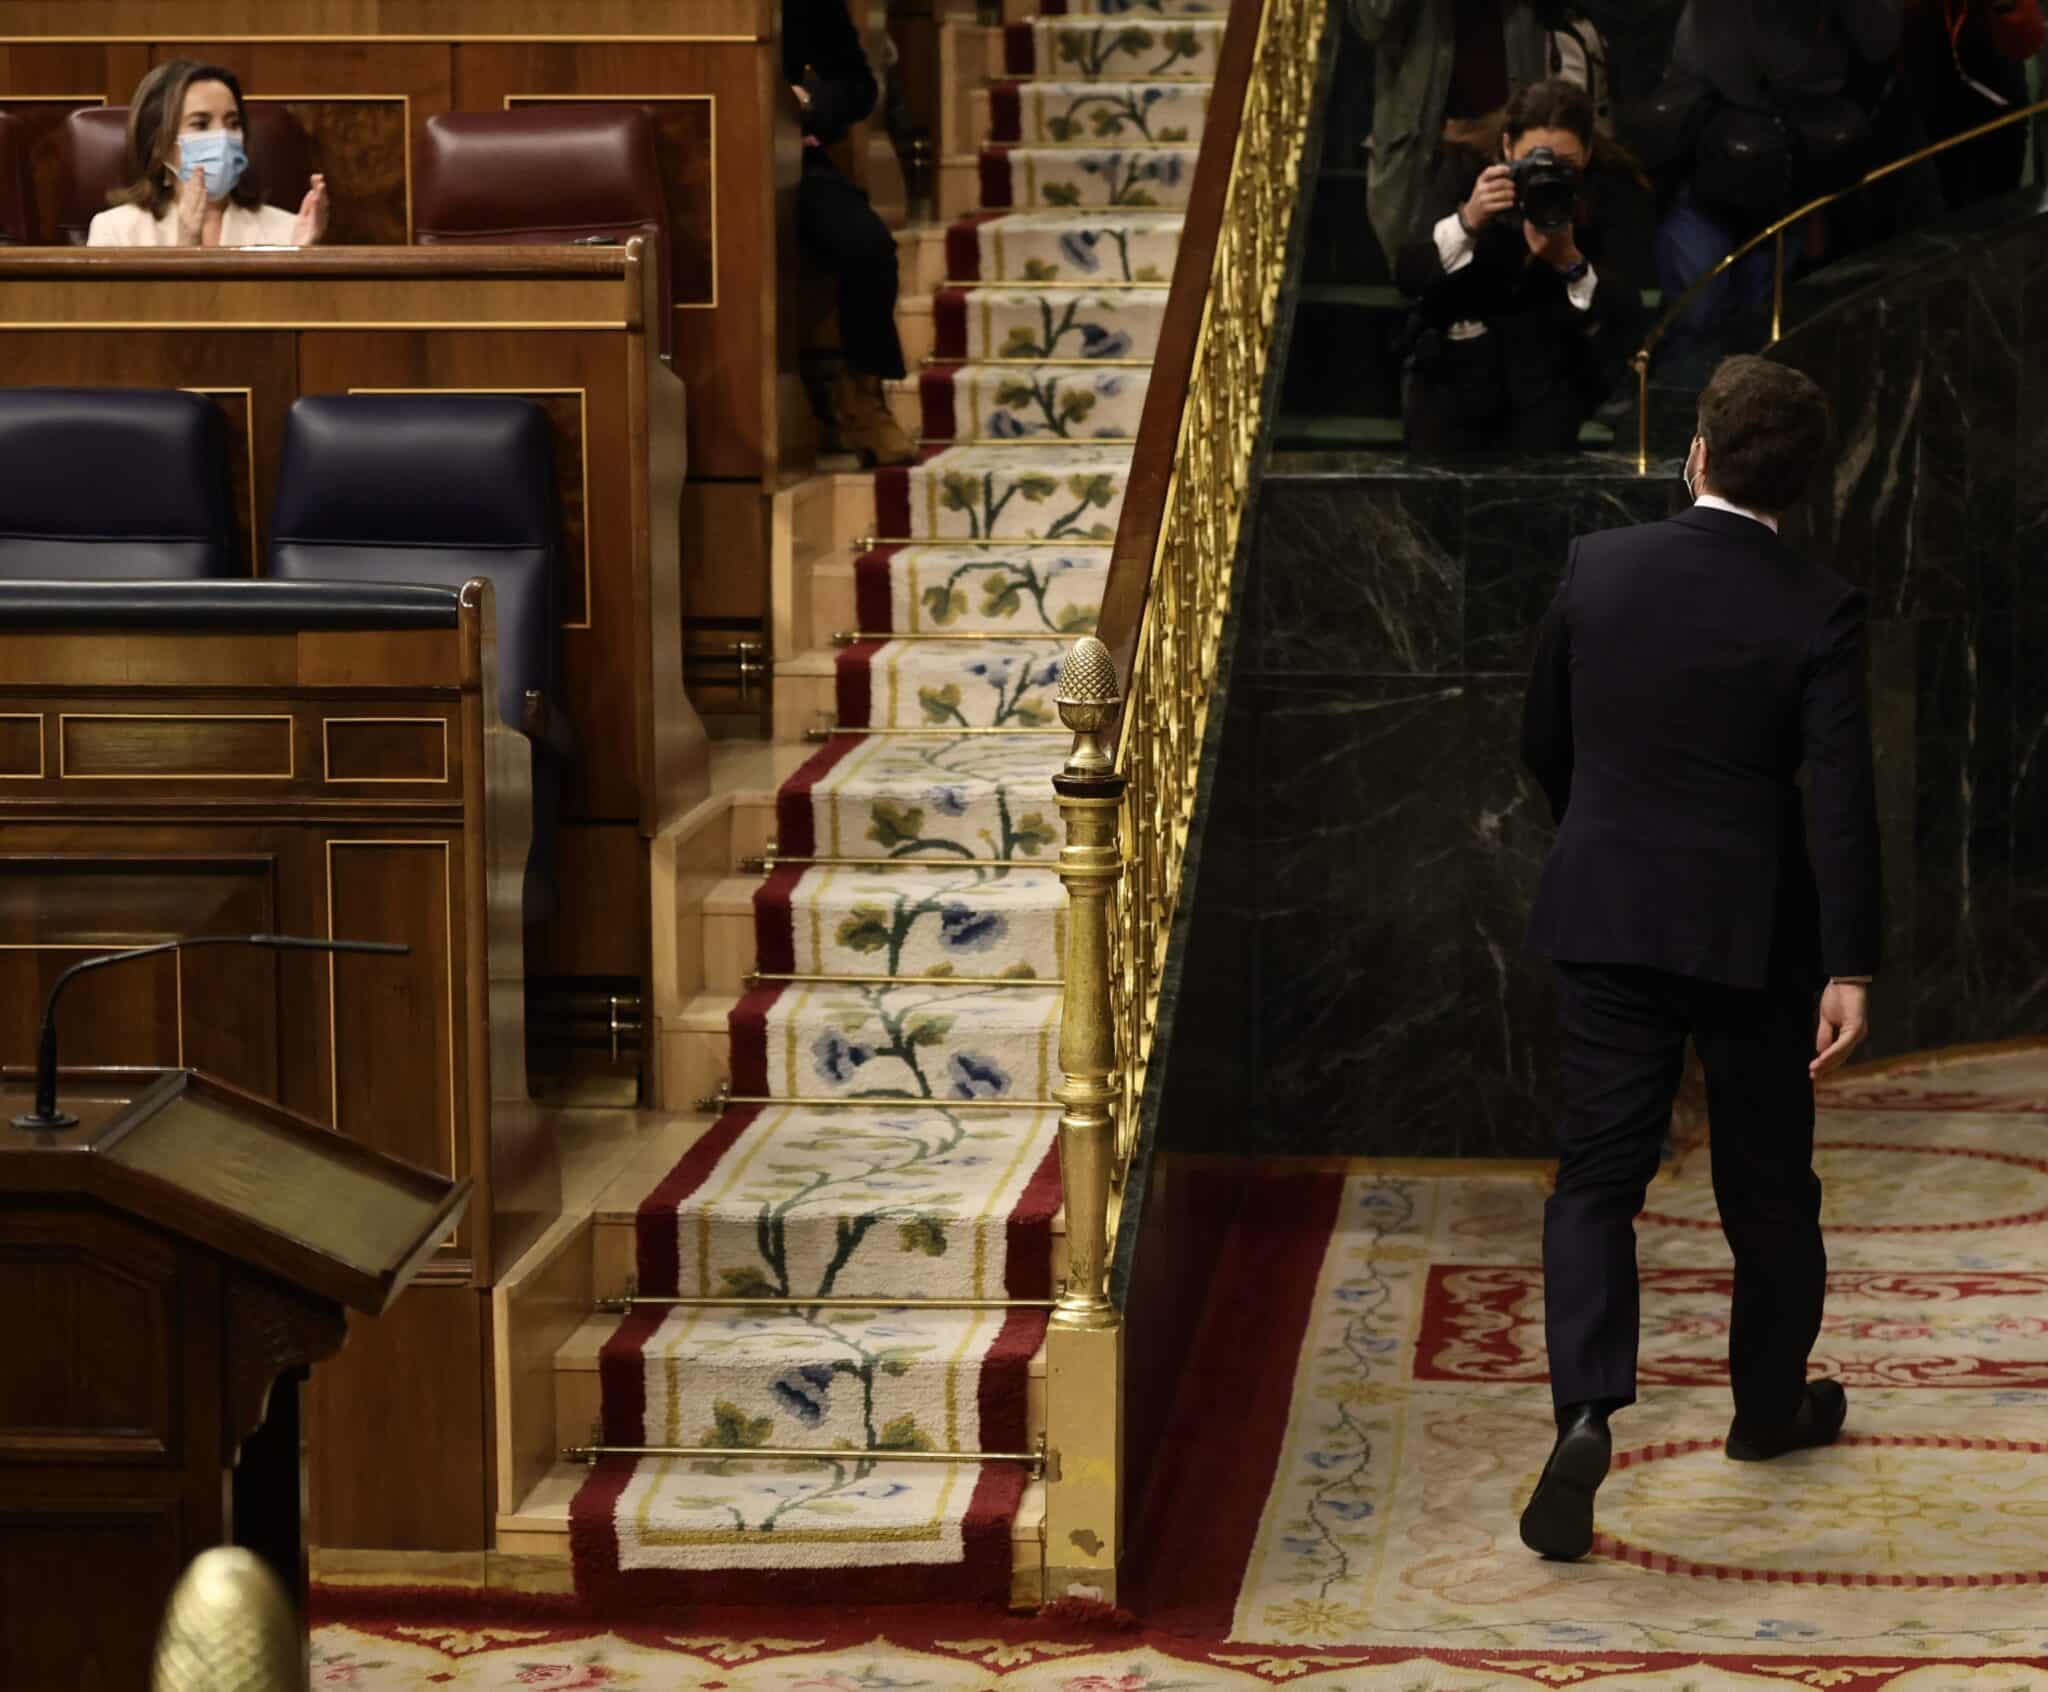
x: 856, y: 1258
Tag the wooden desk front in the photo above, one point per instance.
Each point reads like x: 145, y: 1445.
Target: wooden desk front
x: 567, y: 327
x: 356, y: 784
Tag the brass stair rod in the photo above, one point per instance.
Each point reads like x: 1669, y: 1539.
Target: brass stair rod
x: 1033, y: 1460
x: 633, y: 1301
x: 762, y: 977
x: 859, y: 637
x: 725, y: 1101
x: 868, y: 543
x: 761, y: 863
x: 827, y: 731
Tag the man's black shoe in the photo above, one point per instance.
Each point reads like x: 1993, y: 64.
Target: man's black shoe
x: 1819, y: 1422
x: 1558, y: 1522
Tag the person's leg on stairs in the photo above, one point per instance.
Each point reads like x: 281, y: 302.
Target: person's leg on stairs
x: 842, y: 233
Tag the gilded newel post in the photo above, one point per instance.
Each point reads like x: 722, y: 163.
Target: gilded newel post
x: 1090, y: 793
x: 1084, y: 1347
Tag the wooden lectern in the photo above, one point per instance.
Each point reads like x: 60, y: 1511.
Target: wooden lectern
x: 170, y: 1268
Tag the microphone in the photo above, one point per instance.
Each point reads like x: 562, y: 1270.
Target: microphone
x: 46, y: 1114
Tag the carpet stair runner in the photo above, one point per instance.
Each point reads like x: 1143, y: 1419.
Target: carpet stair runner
x: 925, y: 991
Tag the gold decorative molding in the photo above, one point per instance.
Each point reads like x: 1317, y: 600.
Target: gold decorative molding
x: 582, y: 464
x: 327, y: 755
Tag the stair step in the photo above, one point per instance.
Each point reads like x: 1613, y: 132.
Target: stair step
x: 1113, y: 49
x: 1049, y: 112
x: 578, y: 1396
x: 540, y: 1528
x: 1074, y: 247
x: 1086, y: 178
x: 993, y: 323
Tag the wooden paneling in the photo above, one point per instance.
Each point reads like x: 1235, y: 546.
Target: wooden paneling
x: 66, y: 1395
x: 397, y: 1425
x: 402, y: 1009
x: 439, y: 20
x: 363, y: 146
x: 44, y: 117
x: 21, y: 745
x: 165, y: 747
x: 387, y: 751
x: 211, y: 1009
x: 603, y: 872
x: 51, y: 1552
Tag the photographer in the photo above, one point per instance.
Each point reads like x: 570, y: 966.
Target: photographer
x: 1528, y: 270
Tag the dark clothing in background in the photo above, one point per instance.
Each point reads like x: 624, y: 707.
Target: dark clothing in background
x: 821, y: 52
x: 1752, y: 51
x: 1686, y: 673
x: 840, y: 232
x: 1544, y: 366
x: 1989, y: 51
x: 1479, y: 73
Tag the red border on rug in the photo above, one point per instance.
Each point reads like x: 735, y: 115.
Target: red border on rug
x: 874, y: 603
x: 1245, y: 1355
x: 796, y: 826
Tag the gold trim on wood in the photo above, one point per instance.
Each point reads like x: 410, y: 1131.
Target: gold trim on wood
x: 249, y: 447
x: 412, y: 41
x: 291, y: 773
x: 42, y: 744
x: 582, y: 460
x: 711, y: 100
x: 403, y: 100
x: 297, y: 325
x: 327, y: 759
x: 449, y: 963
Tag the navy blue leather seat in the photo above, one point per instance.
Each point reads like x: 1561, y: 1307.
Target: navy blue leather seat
x: 125, y: 483
x: 436, y: 489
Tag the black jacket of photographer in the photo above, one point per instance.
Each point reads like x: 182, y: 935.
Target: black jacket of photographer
x: 1540, y: 339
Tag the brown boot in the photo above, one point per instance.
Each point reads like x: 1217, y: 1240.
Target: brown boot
x: 861, y: 415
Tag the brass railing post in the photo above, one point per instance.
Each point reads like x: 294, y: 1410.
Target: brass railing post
x: 1084, y: 1344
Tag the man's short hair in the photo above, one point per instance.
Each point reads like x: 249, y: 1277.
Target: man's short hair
x: 1766, y: 427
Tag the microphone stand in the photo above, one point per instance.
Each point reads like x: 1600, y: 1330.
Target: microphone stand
x: 46, y: 1115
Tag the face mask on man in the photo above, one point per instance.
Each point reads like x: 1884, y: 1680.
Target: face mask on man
x: 1689, y: 475
x: 218, y: 152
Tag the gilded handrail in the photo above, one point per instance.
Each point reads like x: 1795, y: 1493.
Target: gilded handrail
x: 1137, y: 701
x: 1775, y: 232
x: 1172, y: 565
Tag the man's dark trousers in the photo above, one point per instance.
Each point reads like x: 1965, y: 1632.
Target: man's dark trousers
x: 1624, y: 1044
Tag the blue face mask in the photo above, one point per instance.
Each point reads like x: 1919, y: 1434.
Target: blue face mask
x: 218, y: 152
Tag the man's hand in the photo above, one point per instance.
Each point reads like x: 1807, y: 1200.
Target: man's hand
x: 1844, y: 1020
x: 311, y: 222
x: 191, y: 208
x: 1558, y: 248
x: 1491, y: 195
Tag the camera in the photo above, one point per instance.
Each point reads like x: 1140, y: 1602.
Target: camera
x: 1546, y: 189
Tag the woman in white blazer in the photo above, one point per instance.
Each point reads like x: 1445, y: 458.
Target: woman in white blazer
x: 186, y: 148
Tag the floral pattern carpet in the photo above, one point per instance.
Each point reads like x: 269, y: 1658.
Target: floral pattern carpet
x: 907, y: 1152
x: 1367, y: 1408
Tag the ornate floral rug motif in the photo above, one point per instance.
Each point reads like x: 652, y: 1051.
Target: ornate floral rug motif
x: 502, y: 1657
x: 947, y: 999
x: 1420, y: 1417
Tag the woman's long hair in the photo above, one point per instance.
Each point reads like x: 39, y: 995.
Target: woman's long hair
x: 1551, y: 104
x: 154, y: 117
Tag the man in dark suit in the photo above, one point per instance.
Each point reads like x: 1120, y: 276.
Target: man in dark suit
x: 1686, y: 673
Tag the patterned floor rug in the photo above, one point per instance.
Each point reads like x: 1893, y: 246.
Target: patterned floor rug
x: 1366, y: 1408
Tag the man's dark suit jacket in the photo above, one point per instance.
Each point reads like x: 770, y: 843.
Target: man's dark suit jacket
x: 1686, y: 672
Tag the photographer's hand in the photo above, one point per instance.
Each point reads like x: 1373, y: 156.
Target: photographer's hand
x: 1491, y: 195
x: 1558, y: 248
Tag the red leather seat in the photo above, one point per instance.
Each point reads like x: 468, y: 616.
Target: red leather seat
x: 18, y: 221
x: 542, y: 174
x: 94, y: 162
